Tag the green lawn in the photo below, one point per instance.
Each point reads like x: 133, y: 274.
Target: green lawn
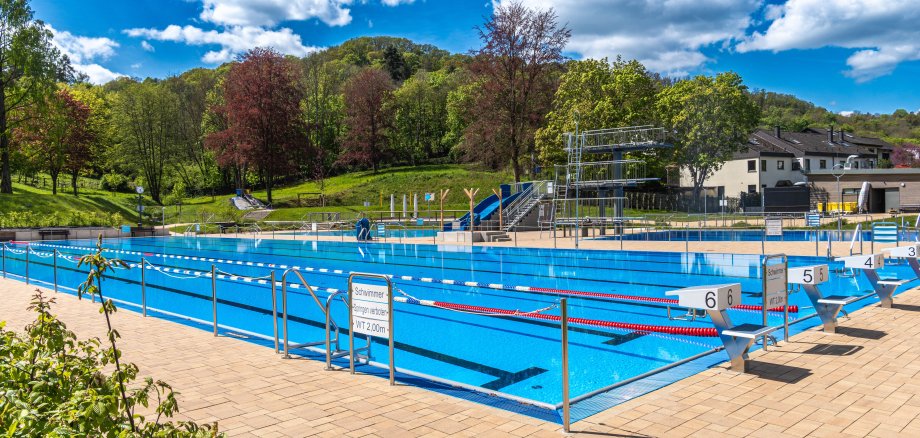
x: 347, y: 193
x: 37, y: 201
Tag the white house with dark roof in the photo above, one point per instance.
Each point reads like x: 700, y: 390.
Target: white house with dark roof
x: 780, y: 157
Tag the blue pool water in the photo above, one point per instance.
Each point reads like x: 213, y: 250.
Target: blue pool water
x: 750, y: 236
x: 389, y: 233
x: 512, y: 356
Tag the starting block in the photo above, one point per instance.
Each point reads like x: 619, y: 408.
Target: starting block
x: 827, y: 308
x: 869, y: 264
x: 908, y: 252
x: 715, y: 300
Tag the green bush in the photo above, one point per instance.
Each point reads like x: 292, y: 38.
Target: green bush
x: 28, y: 219
x: 115, y: 182
x: 56, y: 385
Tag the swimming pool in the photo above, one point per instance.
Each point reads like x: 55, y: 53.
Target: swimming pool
x: 512, y: 355
x: 728, y: 235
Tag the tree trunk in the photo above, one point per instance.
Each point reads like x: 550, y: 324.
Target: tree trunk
x: 54, y: 180
x: 73, y: 181
x: 6, y: 182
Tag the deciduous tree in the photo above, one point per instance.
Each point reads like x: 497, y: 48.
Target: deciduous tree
x: 29, y: 68
x: 711, y: 118
x: 262, y: 94
x: 516, y: 67
x: 370, y: 117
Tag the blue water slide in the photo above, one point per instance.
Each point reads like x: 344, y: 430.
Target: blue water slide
x: 489, y: 206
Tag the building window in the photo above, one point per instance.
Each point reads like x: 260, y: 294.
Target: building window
x: 822, y: 164
x: 752, y: 165
x: 856, y: 164
x: 752, y: 188
x: 763, y: 165
x: 780, y: 164
x: 796, y: 165
x: 808, y: 164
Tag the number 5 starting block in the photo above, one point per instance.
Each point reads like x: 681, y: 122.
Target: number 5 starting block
x: 827, y: 308
x: 715, y: 300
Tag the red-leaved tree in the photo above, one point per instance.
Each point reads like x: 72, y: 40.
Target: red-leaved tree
x: 369, y: 118
x: 906, y: 155
x: 264, y: 127
x: 522, y: 48
x: 58, y: 136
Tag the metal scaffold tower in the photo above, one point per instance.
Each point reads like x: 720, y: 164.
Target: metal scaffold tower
x: 590, y: 187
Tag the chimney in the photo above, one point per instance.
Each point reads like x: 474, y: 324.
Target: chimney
x: 777, y: 132
x: 842, y: 139
x: 830, y: 134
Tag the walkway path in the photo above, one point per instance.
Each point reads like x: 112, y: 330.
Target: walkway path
x: 858, y: 383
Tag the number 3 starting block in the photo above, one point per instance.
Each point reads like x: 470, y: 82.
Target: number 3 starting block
x: 908, y: 252
x: 715, y: 300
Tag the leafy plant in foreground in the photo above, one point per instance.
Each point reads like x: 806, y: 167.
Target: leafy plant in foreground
x: 57, y: 385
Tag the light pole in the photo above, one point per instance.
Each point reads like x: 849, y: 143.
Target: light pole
x: 843, y: 167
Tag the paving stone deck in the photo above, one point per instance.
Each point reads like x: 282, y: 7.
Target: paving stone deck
x: 861, y: 382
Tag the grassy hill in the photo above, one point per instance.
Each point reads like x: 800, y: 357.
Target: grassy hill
x: 344, y: 193
x: 348, y: 192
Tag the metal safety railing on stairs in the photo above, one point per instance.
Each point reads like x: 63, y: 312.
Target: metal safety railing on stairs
x: 325, y: 308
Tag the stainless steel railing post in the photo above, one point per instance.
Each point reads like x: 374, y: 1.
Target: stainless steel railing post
x: 28, y: 250
x: 564, y: 319
x: 143, y: 287
x: 55, y: 270
x: 214, y: 297
x: 284, y: 324
x: 274, y: 310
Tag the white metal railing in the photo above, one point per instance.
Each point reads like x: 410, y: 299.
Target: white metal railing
x: 857, y: 234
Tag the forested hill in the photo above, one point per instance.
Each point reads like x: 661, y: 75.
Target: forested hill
x: 794, y: 114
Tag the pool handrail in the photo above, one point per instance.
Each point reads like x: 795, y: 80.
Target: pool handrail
x: 284, y: 312
x: 857, y: 234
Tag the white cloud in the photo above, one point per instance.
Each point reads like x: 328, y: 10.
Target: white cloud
x: 232, y: 40
x: 884, y: 33
x: 397, y: 2
x: 665, y: 35
x: 147, y: 46
x: 272, y: 12
x: 84, y: 52
x: 847, y: 113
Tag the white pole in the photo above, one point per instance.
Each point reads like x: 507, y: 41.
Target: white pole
x: 405, y: 210
x: 392, y: 205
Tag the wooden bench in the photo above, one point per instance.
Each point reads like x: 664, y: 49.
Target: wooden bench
x: 53, y: 233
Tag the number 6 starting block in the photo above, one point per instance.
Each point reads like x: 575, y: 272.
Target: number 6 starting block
x: 715, y: 300
x: 869, y: 264
x: 827, y: 308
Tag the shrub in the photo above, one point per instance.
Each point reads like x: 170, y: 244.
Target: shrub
x: 115, y: 182
x: 56, y: 385
x: 28, y: 219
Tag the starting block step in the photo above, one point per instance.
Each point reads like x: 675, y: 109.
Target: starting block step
x: 893, y: 282
x: 840, y: 300
x: 749, y: 331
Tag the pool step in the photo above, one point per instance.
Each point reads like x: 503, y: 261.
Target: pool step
x: 496, y: 236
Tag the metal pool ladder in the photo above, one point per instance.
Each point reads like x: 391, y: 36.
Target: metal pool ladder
x: 330, y: 342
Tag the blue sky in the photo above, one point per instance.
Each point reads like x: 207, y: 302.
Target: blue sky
x: 845, y: 55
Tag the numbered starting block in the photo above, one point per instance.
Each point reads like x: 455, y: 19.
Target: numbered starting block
x: 715, y: 300
x: 869, y: 264
x: 827, y: 308
x: 909, y: 253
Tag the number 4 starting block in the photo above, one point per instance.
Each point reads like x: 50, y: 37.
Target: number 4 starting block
x: 715, y: 300
x: 869, y: 264
x: 827, y: 308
